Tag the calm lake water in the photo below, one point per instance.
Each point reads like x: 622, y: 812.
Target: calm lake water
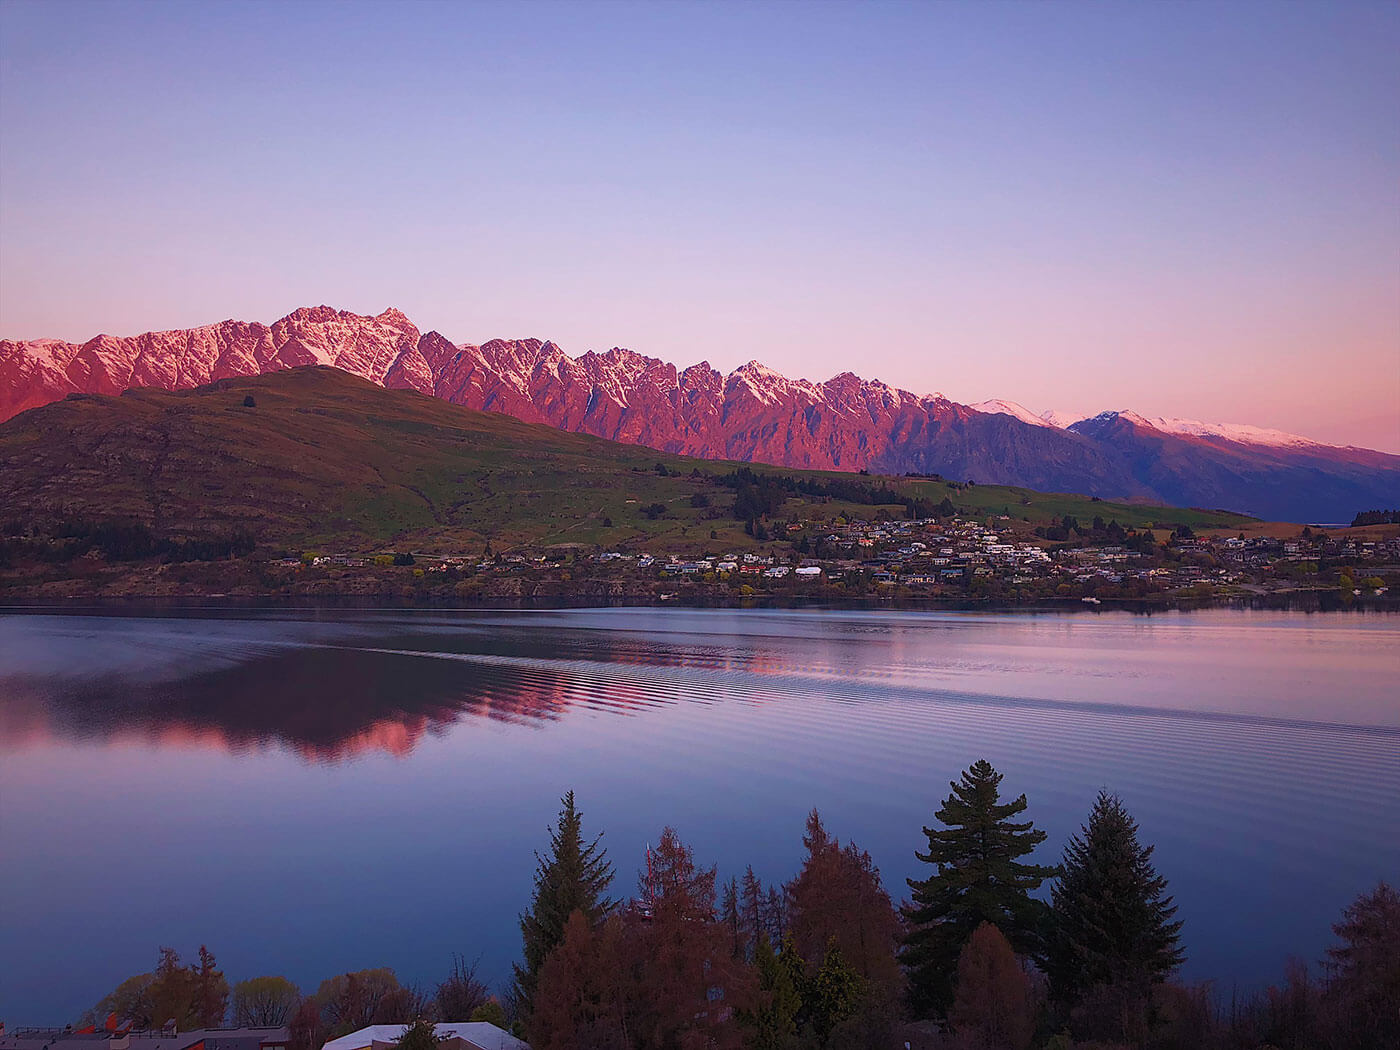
x: 310, y: 793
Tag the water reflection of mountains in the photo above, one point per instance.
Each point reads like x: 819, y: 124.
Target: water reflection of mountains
x: 325, y: 704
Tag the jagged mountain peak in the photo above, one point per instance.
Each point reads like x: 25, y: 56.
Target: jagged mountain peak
x: 753, y: 413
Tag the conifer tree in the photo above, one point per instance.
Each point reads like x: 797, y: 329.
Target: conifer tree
x: 837, y: 898
x: 1111, y: 921
x: 574, y: 877
x: 772, y: 1019
x: 210, y: 991
x: 979, y: 878
x: 751, y: 908
x: 992, y: 1007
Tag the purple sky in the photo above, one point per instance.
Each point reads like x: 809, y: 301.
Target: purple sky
x: 1188, y: 210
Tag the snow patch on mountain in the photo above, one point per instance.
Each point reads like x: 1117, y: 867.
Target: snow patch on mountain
x: 1011, y: 408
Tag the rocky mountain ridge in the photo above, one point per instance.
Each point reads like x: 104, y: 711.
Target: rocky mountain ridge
x: 753, y: 413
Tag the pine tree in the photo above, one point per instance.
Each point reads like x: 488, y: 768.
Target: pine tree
x: 574, y: 877
x: 1111, y: 922
x: 978, y: 879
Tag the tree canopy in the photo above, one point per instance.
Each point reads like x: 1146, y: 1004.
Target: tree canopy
x: 574, y: 876
x: 978, y: 878
x: 1111, y: 920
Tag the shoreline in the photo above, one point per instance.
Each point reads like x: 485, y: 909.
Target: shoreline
x: 1299, y: 601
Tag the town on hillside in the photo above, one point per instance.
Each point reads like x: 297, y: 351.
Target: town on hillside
x: 997, y: 558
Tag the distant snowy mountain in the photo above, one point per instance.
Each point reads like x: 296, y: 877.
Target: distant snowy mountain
x: 753, y: 413
x: 1010, y: 408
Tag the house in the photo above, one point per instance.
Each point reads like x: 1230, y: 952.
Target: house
x: 472, y: 1035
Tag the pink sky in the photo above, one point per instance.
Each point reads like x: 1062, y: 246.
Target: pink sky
x: 1186, y: 211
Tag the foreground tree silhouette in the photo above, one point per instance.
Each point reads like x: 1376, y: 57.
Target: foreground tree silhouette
x: 581, y: 997
x: 1111, y: 921
x: 978, y: 879
x: 420, y: 1035
x: 689, y: 981
x: 992, y: 1006
x: 1364, y: 987
x: 264, y: 1002
x: 574, y: 877
x: 838, y: 898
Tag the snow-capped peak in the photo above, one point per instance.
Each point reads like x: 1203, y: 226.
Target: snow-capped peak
x: 1011, y: 408
x: 1063, y: 420
x: 1242, y: 432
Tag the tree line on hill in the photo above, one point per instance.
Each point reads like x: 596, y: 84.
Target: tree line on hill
x: 1376, y: 517
x: 976, y: 958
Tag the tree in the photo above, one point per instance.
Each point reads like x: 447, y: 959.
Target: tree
x: 492, y: 1012
x: 307, y: 1030
x: 574, y: 877
x: 832, y: 995
x: 992, y: 1005
x: 351, y: 1001
x: 462, y: 993
x: 210, y: 991
x: 130, y: 1001
x: 978, y: 879
x: 771, y: 1020
x: 837, y: 898
x: 264, y: 1002
x: 1364, y: 984
x: 689, y: 981
x: 581, y: 995
x: 420, y: 1035
x: 1111, y: 921
x: 172, y: 992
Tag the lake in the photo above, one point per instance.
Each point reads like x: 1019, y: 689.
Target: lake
x: 311, y: 792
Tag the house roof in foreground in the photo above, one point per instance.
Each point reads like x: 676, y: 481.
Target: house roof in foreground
x: 479, y: 1033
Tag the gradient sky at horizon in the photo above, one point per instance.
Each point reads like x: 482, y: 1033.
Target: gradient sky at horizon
x: 1188, y: 210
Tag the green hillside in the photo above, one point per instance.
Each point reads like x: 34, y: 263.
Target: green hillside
x: 323, y: 459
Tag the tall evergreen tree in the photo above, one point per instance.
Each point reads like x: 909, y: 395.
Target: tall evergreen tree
x: 1111, y: 921
x: 979, y: 878
x: 574, y: 877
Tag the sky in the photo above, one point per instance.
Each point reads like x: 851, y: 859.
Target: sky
x: 1182, y: 209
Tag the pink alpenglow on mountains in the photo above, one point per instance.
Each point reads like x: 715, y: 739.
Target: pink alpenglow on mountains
x: 753, y: 413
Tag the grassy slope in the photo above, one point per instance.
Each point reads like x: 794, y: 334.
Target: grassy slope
x: 325, y: 459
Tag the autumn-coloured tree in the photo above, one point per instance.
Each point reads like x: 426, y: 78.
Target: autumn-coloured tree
x: 1364, y: 987
x: 690, y: 981
x: 583, y: 990
x: 993, y: 1008
x: 837, y: 898
x: 351, y: 1001
x: 306, y: 1030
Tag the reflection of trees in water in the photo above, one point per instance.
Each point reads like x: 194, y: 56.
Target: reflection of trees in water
x: 326, y: 704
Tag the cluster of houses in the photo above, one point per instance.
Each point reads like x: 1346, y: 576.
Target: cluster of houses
x: 931, y: 553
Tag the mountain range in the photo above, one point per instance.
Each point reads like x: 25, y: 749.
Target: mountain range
x: 753, y: 413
